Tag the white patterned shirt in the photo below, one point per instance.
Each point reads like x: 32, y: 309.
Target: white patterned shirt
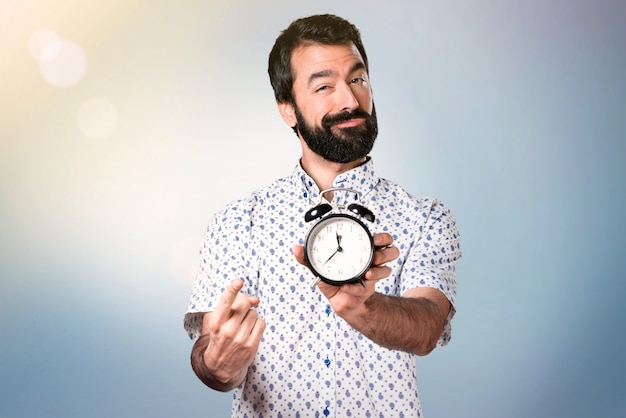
x: 310, y: 362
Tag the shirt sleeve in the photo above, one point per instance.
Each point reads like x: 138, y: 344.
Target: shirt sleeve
x: 433, y: 257
x: 223, y: 258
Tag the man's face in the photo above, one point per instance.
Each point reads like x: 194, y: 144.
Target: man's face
x: 334, y: 110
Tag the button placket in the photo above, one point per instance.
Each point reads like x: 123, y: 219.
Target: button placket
x: 327, y: 361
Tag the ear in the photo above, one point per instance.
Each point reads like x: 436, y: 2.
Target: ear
x: 288, y: 114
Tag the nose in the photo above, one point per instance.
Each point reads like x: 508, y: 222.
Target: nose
x: 347, y: 99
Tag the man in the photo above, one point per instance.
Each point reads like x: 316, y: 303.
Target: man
x: 292, y: 349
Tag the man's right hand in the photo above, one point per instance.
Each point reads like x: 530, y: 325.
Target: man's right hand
x: 231, y: 335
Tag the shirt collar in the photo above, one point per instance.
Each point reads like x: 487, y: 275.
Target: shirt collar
x: 361, y: 178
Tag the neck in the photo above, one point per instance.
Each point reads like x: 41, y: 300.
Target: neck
x: 322, y: 171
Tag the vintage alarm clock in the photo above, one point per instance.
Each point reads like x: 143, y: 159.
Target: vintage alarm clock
x: 339, y: 247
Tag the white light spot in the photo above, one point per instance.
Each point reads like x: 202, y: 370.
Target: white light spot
x: 184, y: 260
x: 62, y: 63
x: 97, y: 118
x: 40, y: 40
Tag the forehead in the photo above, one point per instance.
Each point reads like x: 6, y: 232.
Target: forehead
x: 316, y: 58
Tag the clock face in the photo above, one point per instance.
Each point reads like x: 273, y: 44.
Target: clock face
x: 339, y: 249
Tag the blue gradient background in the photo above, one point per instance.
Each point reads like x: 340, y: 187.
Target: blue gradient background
x: 513, y: 113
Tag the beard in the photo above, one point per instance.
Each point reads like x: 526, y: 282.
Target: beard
x: 348, y: 144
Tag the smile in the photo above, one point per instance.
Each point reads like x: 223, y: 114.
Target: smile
x: 350, y: 123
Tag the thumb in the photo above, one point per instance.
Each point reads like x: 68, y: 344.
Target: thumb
x: 298, y: 252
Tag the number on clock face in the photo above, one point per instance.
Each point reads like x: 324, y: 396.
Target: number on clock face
x: 339, y: 249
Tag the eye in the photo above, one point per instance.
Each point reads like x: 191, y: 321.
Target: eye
x: 322, y: 88
x: 359, y: 80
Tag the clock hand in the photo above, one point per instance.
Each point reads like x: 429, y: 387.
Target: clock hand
x: 332, y: 255
x: 339, y: 242
x: 339, y: 249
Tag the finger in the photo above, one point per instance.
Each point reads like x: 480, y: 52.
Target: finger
x: 239, y: 322
x: 242, y: 305
x: 383, y: 239
x: 257, y: 331
x: 224, y: 307
x: 377, y: 273
x: 250, y: 324
x: 241, y: 308
x: 251, y: 333
x: 298, y: 252
x: 253, y: 301
x: 385, y: 255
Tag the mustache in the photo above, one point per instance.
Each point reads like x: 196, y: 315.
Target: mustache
x: 329, y: 120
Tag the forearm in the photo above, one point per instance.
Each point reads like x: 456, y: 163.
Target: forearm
x: 221, y: 383
x: 412, y: 324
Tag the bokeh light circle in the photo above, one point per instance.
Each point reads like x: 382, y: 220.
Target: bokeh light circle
x: 62, y: 63
x: 40, y: 40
